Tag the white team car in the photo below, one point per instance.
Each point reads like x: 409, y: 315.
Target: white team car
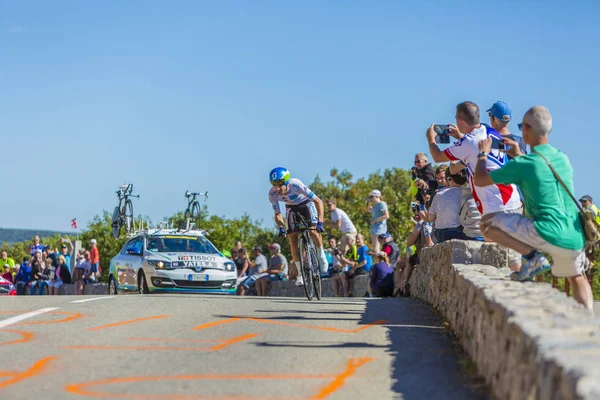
x: 170, y: 260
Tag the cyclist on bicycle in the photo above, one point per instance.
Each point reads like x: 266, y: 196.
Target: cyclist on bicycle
x: 299, y: 198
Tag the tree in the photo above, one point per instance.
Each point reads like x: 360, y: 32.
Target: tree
x: 394, y: 185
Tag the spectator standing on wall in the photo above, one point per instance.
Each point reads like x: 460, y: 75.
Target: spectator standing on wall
x: 552, y: 224
x: 489, y: 199
x: 95, y: 260
x: 379, y: 217
x: 341, y: 221
x: 36, y: 246
x: 66, y: 249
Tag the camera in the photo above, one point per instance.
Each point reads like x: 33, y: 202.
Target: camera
x: 415, y: 206
x: 337, y: 252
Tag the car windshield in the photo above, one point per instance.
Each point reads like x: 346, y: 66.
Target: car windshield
x: 180, y: 244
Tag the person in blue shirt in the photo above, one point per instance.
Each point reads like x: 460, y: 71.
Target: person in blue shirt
x: 23, y: 277
x: 362, y: 265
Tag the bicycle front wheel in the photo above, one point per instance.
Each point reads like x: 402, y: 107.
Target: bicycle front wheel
x: 306, y: 267
x: 116, y: 223
x: 128, y: 214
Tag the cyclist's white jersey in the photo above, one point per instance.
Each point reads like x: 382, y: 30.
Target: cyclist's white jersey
x: 493, y: 198
x: 298, y: 193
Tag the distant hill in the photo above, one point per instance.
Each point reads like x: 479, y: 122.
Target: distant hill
x: 11, y: 236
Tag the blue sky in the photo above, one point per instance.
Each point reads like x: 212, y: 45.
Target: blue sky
x: 211, y: 95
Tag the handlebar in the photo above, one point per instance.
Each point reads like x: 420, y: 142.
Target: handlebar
x: 188, y: 194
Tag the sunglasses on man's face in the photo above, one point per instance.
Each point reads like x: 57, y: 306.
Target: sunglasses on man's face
x: 278, y: 183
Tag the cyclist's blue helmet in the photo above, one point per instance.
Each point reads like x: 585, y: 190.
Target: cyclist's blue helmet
x: 279, y: 176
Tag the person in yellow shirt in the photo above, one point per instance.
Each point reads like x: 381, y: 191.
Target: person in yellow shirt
x: 588, y: 204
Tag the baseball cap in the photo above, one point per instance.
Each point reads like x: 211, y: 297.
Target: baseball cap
x: 275, y: 246
x: 501, y: 110
x: 375, y: 193
x: 64, y: 246
x: 93, y: 241
x: 587, y: 197
x: 385, y: 235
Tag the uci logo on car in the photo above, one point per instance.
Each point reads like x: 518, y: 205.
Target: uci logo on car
x: 198, y: 269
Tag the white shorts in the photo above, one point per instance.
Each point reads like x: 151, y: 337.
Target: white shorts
x: 57, y: 283
x: 565, y: 262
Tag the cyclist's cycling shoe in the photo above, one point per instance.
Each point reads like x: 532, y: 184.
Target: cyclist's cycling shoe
x: 530, y: 268
x: 323, y: 263
x: 299, y: 281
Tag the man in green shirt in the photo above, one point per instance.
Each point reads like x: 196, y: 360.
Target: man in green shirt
x: 551, y: 223
x: 6, y: 259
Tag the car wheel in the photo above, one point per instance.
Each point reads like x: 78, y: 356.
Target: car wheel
x: 112, y: 286
x: 142, y: 284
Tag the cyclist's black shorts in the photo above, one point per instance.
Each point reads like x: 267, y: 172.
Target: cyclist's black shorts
x: 308, y: 210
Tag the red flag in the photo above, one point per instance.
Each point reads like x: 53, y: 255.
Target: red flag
x: 74, y: 223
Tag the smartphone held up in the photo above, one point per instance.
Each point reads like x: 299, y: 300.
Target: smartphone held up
x: 443, y: 134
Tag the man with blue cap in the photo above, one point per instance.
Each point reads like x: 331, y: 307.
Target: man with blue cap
x: 500, y: 116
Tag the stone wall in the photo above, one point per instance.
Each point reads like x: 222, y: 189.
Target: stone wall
x: 529, y: 341
x: 289, y: 289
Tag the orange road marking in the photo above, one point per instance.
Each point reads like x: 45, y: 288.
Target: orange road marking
x: 340, y: 380
x: 234, y: 340
x: 215, y: 323
x: 322, y: 328
x: 26, y: 337
x: 162, y: 348
x: 83, y: 389
x: 131, y: 321
x: 36, y: 369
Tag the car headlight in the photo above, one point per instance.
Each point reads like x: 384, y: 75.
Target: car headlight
x: 159, y: 264
x: 229, y: 266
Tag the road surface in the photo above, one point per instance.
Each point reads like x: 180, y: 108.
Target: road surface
x: 201, y: 347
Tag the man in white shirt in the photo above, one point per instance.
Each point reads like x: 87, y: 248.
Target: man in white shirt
x: 341, y: 221
x: 489, y: 199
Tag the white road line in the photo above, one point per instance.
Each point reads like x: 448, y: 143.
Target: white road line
x: 18, y: 318
x: 92, y: 299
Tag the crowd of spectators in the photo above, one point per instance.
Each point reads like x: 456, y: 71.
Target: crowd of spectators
x: 48, y: 267
x: 486, y: 186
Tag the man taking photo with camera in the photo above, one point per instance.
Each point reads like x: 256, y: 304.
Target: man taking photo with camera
x: 468, y: 132
x: 552, y: 224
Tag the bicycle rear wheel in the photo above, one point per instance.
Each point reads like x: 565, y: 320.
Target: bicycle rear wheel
x: 195, y: 213
x: 116, y: 223
x: 128, y: 213
x: 305, y: 267
x: 316, y: 272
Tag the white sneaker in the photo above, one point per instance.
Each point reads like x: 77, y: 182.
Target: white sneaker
x: 299, y: 281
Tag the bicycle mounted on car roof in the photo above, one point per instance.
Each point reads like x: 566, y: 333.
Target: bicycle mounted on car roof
x: 123, y: 213
x: 309, y: 263
x: 192, y: 213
